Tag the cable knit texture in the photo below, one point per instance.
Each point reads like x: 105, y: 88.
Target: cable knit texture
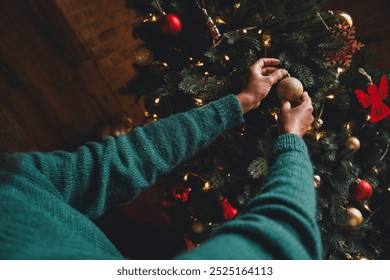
x: 48, y: 200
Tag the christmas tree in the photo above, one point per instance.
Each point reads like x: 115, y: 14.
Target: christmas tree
x: 194, y: 52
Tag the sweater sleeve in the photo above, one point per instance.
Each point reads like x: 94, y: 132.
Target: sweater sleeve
x: 99, y: 174
x: 280, y: 222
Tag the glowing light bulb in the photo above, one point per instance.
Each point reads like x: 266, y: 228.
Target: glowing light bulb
x: 267, y: 40
x: 206, y: 186
x: 198, y: 101
x: 220, y: 20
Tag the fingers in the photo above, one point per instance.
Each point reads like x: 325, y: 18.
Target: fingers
x: 266, y: 70
x: 306, y: 100
x: 305, y: 97
x: 306, y: 103
x: 266, y: 62
x: 277, y: 75
x: 285, y: 105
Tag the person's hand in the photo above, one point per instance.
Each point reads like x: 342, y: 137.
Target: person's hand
x: 258, y: 83
x: 298, y: 119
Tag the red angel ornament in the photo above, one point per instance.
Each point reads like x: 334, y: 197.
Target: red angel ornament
x: 379, y: 110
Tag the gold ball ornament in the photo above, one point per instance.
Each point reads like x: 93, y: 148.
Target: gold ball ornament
x: 354, y: 217
x: 143, y: 56
x: 122, y: 126
x: 290, y: 89
x: 345, y: 19
x: 198, y: 227
x: 317, y: 123
x: 352, y: 143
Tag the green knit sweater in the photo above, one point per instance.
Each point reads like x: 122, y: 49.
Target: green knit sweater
x: 48, y: 200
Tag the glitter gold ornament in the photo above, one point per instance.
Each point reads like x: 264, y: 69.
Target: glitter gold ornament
x: 290, y: 89
x: 143, y: 56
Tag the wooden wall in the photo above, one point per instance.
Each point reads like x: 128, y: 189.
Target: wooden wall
x: 104, y: 27
x: 50, y: 86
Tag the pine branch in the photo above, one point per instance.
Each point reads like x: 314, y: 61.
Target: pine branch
x: 258, y: 168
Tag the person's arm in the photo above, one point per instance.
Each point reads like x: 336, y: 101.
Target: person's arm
x: 99, y: 174
x: 280, y: 222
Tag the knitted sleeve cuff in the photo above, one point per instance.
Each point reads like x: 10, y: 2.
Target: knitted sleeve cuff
x: 288, y: 142
x: 229, y: 110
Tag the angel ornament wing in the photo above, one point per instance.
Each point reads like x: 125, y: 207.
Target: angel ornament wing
x: 374, y: 97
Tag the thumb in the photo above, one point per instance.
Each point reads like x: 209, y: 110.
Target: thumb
x: 285, y: 105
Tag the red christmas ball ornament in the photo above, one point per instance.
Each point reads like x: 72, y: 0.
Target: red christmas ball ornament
x: 181, y: 193
x: 228, y: 210
x: 361, y: 190
x: 170, y: 25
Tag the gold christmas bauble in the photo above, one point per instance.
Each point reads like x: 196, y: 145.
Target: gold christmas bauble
x: 290, y: 89
x: 317, y: 123
x: 354, y: 217
x: 198, y: 227
x: 143, y: 56
x: 352, y: 143
x: 345, y: 19
x: 123, y: 125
